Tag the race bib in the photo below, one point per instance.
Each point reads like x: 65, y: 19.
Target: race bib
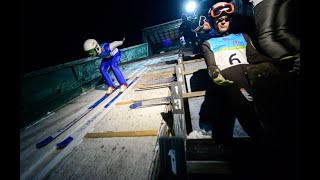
x: 229, y: 58
x: 229, y: 50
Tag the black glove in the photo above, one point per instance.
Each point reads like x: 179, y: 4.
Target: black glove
x: 291, y: 63
x: 265, y: 70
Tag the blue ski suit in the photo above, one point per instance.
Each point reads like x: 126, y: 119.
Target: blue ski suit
x: 110, y: 59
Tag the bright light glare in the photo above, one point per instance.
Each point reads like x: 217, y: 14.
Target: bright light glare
x: 191, y: 6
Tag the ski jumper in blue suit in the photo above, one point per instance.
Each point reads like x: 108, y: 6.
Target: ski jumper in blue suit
x: 110, y: 59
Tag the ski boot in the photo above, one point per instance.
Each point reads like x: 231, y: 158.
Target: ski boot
x: 123, y: 88
x: 110, y: 90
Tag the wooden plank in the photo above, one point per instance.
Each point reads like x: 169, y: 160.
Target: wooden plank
x: 166, y: 74
x: 184, y: 95
x: 189, y: 72
x: 152, y: 86
x: 166, y: 67
x: 176, y: 61
x: 149, y: 102
x: 192, y: 56
x: 155, y: 102
x: 193, y: 61
x: 173, y: 72
x: 150, y: 77
x: 208, y: 167
x: 122, y: 134
x: 160, y: 74
x: 157, y: 80
x: 193, y: 94
x: 162, y: 63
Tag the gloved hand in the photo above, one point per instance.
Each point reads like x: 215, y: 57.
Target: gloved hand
x: 291, y: 62
x: 262, y: 71
x: 296, y: 66
x: 220, y: 80
x: 123, y: 40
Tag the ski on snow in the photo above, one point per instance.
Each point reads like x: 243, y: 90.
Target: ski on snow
x: 150, y: 102
x: 67, y: 140
x: 70, y: 124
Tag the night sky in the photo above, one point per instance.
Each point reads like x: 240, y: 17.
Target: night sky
x: 53, y: 32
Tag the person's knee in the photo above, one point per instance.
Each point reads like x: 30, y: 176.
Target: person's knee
x: 114, y: 67
x: 266, y: 38
x: 102, y: 69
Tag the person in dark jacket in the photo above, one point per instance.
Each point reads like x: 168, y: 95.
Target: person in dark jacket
x: 204, y: 30
x: 185, y: 31
x: 227, y: 56
x: 278, y: 30
x: 279, y: 37
x: 276, y: 87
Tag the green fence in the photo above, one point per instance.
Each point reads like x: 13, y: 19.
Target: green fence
x: 45, y: 90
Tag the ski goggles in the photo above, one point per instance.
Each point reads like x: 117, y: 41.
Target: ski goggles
x: 217, y: 11
x: 94, y: 51
x: 91, y: 52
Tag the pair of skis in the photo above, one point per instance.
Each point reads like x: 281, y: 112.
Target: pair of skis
x: 67, y: 141
x: 71, y: 123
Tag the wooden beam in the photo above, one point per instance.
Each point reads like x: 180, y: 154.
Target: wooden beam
x: 189, y: 72
x: 175, y: 61
x: 166, y: 74
x: 152, y: 86
x: 208, y: 167
x: 193, y: 94
x: 184, y: 95
x: 122, y: 134
x: 193, y: 61
x: 160, y: 74
x: 156, y: 81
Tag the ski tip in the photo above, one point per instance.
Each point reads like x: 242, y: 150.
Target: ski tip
x: 64, y: 143
x: 44, y: 142
x: 135, y: 105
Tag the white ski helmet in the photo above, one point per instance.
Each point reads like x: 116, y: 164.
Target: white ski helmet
x: 91, y: 45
